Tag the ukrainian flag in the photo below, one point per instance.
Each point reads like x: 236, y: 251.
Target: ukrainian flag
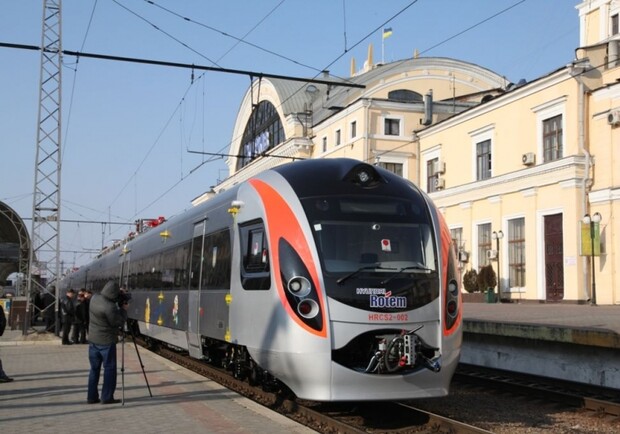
x: 387, y: 32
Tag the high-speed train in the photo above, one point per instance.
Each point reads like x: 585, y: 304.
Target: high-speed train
x: 332, y: 277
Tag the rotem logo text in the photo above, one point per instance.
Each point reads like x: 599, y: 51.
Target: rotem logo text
x: 387, y: 301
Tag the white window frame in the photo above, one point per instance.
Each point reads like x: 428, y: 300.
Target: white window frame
x: 337, y: 137
x: 401, y: 126
x: 614, y: 9
x: 478, y: 136
x: 475, y: 260
x: 504, y: 246
x: 351, y: 124
x: 431, y: 154
x: 546, y: 111
x: 395, y: 159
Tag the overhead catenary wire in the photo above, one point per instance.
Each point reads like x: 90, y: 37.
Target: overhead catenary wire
x: 305, y: 79
x: 185, y: 65
x: 140, y: 17
x: 74, y: 81
x: 237, y: 39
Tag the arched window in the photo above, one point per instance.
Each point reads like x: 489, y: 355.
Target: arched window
x: 404, y: 95
x: 262, y: 132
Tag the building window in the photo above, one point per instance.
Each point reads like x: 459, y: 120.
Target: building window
x: 392, y: 127
x: 516, y: 252
x: 484, y: 243
x: 614, y: 24
x: 263, y: 131
x: 338, y: 138
x: 552, y: 138
x: 353, y: 129
x: 324, y: 144
x: 396, y: 168
x: 457, y: 240
x: 432, y: 175
x: 483, y: 160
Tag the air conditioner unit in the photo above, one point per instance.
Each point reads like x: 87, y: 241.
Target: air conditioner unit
x: 441, y: 167
x: 613, y: 118
x: 440, y: 183
x: 491, y: 254
x: 528, y: 159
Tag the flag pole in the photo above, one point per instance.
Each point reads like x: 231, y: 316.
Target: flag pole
x: 386, y: 33
x: 382, y: 47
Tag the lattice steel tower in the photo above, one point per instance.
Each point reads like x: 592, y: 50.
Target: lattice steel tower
x: 45, y: 251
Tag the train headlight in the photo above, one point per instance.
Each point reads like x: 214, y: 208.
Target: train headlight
x: 453, y: 287
x: 299, y: 286
x: 308, y: 308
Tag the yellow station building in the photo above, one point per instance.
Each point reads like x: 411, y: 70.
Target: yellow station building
x: 516, y: 168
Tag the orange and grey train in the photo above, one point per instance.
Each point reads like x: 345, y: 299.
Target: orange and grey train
x: 331, y: 278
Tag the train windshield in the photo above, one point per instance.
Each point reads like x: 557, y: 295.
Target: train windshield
x: 349, y: 246
x: 372, y: 234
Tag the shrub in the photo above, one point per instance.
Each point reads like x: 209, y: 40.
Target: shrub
x: 486, y: 278
x: 470, y: 281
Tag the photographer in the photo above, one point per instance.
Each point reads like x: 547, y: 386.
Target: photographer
x: 107, y: 316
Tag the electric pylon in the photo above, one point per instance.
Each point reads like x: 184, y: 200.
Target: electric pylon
x: 45, y: 267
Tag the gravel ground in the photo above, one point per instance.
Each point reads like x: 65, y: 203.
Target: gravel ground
x: 510, y: 414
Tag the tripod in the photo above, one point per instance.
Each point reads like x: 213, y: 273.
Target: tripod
x: 126, y: 328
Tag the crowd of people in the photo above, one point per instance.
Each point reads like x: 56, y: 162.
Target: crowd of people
x: 102, y: 322
x: 73, y: 314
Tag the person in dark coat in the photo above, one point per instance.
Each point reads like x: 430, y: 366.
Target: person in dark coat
x: 87, y: 296
x: 49, y: 316
x: 3, y: 377
x: 67, y: 312
x: 106, y: 320
x: 78, y: 334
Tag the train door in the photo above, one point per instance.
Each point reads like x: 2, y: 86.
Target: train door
x: 123, y: 278
x: 195, y: 279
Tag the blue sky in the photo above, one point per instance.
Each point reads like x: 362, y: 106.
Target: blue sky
x: 127, y: 128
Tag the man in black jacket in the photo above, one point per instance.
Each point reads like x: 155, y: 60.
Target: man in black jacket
x: 106, y: 318
x: 67, y: 310
x: 3, y: 377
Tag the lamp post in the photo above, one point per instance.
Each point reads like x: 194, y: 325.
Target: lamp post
x: 498, y: 236
x: 592, y: 221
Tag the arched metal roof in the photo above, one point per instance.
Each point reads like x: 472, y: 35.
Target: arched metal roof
x: 14, y: 243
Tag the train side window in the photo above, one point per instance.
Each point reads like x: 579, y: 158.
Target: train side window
x: 217, y: 262
x: 255, y: 258
x: 255, y: 270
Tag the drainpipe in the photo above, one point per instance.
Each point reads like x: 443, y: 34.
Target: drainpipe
x: 586, y: 182
x: 367, y: 131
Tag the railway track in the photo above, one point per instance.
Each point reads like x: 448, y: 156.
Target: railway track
x: 413, y: 417
x: 602, y: 401
x: 341, y: 418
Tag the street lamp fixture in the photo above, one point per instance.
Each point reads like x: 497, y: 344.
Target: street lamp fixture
x: 593, y: 222
x: 498, y: 235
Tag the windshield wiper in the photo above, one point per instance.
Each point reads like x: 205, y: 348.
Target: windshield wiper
x: 417, y: 267
x: 359, y: 270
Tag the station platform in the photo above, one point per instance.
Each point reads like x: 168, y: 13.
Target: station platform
x: 48, y: 394
x: 582, y: 324
x: 569, y: 342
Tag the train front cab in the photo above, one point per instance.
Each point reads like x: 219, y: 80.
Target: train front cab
x: 385, y: 281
